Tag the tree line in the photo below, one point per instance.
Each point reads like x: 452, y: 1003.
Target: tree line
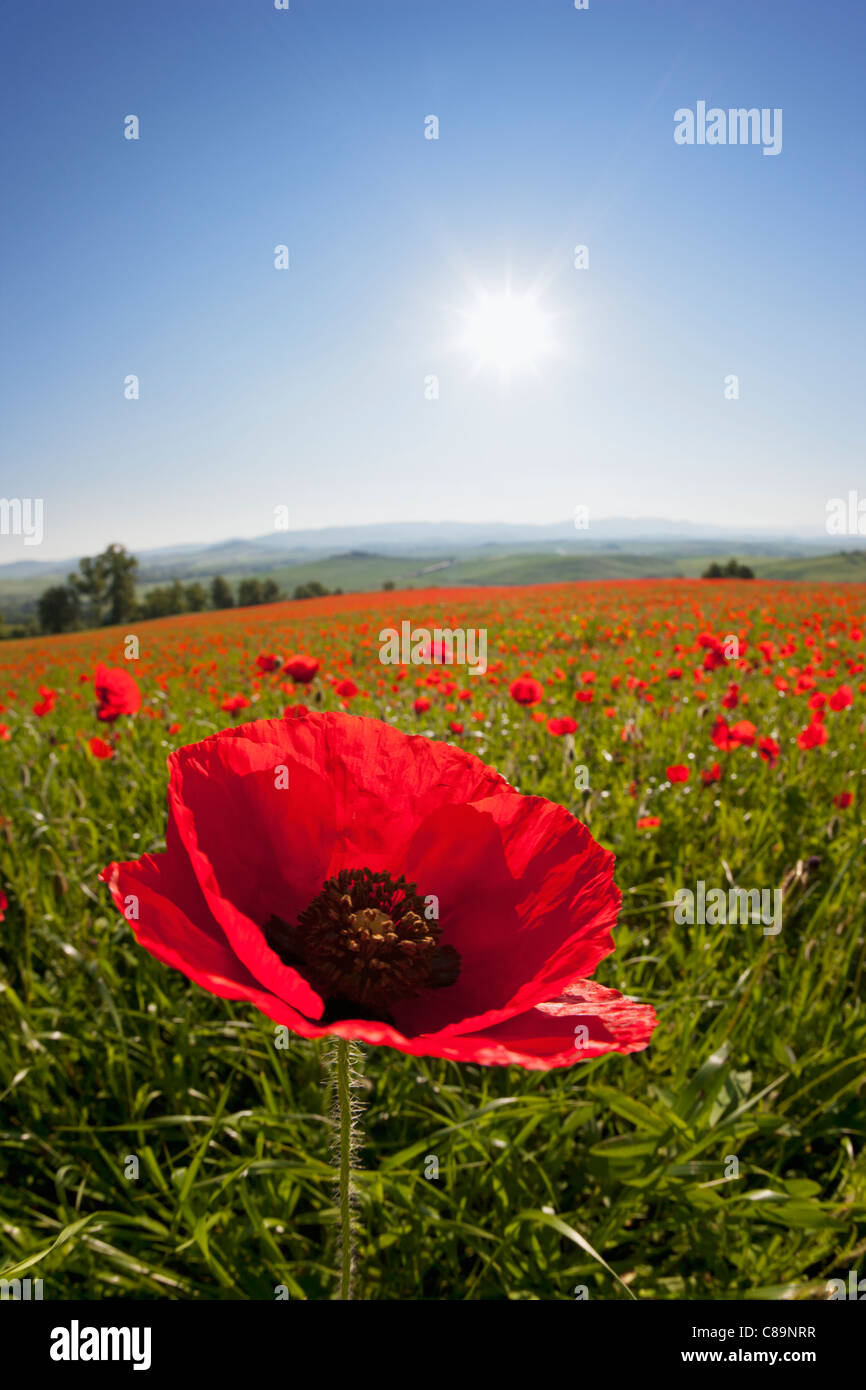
x: 102, y: 593
x: 732, y: 570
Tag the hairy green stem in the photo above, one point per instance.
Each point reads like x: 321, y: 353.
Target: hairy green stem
x: 345, y: 1079
x: 345, y: 1108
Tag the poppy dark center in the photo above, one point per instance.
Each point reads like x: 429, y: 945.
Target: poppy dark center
x: 364, y: 943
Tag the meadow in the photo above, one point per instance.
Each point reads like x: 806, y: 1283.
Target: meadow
x: 718, y: 737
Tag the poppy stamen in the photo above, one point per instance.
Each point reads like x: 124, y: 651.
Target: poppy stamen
x: 366, y: 939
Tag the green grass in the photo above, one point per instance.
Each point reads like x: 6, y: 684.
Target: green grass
x: 845, y: 566
x: 760, y: 1053
x: 360, y: 572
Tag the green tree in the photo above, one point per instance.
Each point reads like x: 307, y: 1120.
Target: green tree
x: 120, y: 569
x: 312, y: 590
x: 732, y: 570
x: 105, y: 585
x: 58, y: 608
x: 221, y: 593
x: 90, y: 586
x: 195, y: 598
x: 270, y: 591
x: 176, y: 597
x: 249, y: 592
x: 157, y: 603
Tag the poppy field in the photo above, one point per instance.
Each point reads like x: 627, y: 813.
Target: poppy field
x: 163, y: 1135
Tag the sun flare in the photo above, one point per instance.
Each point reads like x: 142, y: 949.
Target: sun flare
x: 507, y: 331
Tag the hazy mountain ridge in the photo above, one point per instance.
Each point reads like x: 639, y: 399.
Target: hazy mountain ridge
x: 435, y: 539
x: 419, y: 555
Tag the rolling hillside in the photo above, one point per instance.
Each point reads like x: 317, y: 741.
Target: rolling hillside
x: 493, y: 564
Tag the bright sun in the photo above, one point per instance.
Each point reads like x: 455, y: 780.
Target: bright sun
x: 507, y: 331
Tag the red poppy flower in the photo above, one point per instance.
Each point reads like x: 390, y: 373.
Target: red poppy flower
x: 714, y: 658
x: 295, y: 711
x: 421, y: 705
x: 769, y: 749
x: 4, y: 903
x: 713, y: 774
x: 5, y: 735
x: 729, y: 737
x: 455, y: 726
x: 842, y: 698
x: 812, y: 736
x: 327, y: 869
x: 116, y: 693
x: 267, y: 662
x: 678, y: 773
x: 843, y: 800
x: 720, y: 733
x: 232, y: 703
x: 648, y: 822
x: 46, y: 704
x: 558, y: 727
x: 302, y: 669
x: 99, y: 748
x: 436, y: 652
x: 526, y: 690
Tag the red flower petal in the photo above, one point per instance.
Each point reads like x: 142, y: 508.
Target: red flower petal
x: 262, y: 814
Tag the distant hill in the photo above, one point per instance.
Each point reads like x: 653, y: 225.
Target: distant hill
x: 358, y: 571
x: 427, y: 554
x: 844, y: 566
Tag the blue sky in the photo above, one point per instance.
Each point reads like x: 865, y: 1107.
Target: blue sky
x: 306, y: 387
